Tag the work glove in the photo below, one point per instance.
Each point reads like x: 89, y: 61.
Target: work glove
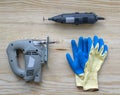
x: 89, y: 64
x: 79, y: 51
x: 97, y: 56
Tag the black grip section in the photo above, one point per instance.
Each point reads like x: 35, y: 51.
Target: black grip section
x: 30, y: 72
x: 85, y: 20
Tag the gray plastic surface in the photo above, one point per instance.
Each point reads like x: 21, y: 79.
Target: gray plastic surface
x: 34, y: 55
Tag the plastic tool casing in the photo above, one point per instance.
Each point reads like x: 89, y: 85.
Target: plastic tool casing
x: 76, y: 18
x: 35, y: 55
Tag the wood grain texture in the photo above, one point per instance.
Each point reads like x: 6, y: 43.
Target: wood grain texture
x: 22, y: 19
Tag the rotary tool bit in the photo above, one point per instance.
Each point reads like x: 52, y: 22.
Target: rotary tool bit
x: 76, y: 18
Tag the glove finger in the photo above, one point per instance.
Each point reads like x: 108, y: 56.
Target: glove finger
x: 101, y: 43
x: 74, y: 48
x: 70, y: 61
x: 105, y: 51
x: 89, y: 45
x: 80, y: 43
x: 85, y: 42
x: 95, y: 41
x: 74, y: 65
x: 101, y: 50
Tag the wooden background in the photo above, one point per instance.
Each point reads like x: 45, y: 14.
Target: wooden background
x: 23, y: 19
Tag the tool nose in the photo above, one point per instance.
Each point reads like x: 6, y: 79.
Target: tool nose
x: 51, y: 18
x: 101, y: 18
x: 56, y: 18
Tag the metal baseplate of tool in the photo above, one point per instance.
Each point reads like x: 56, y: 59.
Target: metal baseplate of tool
x: 35, y: 55
x: 76, y: 18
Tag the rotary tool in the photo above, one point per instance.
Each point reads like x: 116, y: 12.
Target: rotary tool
x: 76, y: 18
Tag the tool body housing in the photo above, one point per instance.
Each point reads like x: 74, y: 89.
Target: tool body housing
x: 35, y: 54
x: 76, y: 18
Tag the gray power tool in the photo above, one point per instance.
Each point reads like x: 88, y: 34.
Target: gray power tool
x: 76, y: 18
x: 35, y: 55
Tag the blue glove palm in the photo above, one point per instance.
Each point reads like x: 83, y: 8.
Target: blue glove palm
x: 80, y: 55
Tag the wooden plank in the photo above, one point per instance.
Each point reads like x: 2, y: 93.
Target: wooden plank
x: 22, y: 19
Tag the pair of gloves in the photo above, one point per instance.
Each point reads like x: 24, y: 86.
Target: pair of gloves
x: 88, y: 57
